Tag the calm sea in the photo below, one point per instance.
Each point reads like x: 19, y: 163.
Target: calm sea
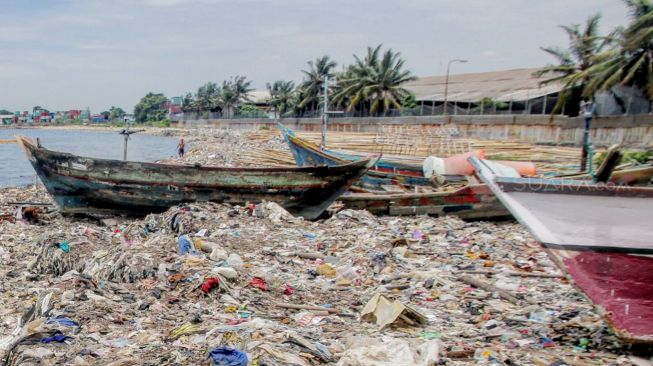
x: 15, y: 170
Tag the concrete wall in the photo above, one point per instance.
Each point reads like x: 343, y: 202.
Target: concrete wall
x: 632, y: 130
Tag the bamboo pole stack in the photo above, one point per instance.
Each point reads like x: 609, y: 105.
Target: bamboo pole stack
x: 413, y: 146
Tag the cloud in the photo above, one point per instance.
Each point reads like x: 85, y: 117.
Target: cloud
x: 16, y: 33
x: 490, y: 53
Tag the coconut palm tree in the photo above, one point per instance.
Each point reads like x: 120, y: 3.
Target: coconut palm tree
x: 241, y: 88
x: 375, y: 81
x: 281, y: 96
x: 228, y: 98
x: 313, y: 83
x: 584, y: 45
x: 631, y: 62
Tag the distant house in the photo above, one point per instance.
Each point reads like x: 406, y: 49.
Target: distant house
x: 173, y: 107
x: 98, y: 118
x: 7, y: 119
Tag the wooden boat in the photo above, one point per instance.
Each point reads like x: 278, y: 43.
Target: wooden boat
x: 87, y: 185
x: 473, y: 201
x: 307, y: 154
x: 600, y: 234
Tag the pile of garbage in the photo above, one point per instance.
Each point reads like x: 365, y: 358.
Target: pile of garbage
x: 222, y: 147
x: 228, y: 285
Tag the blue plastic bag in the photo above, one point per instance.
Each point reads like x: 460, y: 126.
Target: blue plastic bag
x: 223, y: 356
x: 184, y: 245
x: 61, y: 320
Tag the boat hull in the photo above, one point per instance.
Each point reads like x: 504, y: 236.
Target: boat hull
x: 87, y: 185
x: 599, y: 234
x: 472, y: 202
x: 382, y: 173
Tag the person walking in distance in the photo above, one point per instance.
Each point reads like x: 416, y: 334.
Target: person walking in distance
x: 180, y: 148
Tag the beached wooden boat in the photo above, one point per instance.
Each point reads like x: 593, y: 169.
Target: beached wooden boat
x: 600, y: 234
x: 473, y: 201
x: 307, y: 154
x: 87, y: 185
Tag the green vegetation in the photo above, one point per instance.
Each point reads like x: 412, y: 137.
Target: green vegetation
x: 150, y: 108
x: 632, y: 156
x: 594, y: 62
x: 282, y: 94
x: 250, y: 111
x: 372, y: 85
x: 489, y: 105
x: 164, y: 123
x: 213, y: 98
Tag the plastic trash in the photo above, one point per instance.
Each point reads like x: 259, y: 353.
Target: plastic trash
x: 258, y: 282
x: 62, y: 320
x: 184, y: 245
x: 57, y: 337
x: 64, y: 246
x: 223, y: 356
x: 209, y: 284
x: 235, y: 261
x: 226, y: 272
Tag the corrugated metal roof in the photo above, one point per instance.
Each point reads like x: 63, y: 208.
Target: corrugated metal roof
x: 259, y: 96
x: 517, y: 85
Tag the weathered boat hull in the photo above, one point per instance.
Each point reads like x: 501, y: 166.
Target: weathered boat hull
x: 600, y: 234
x: 472, y: 202
x: 382, y: 173
x: 86, y: 185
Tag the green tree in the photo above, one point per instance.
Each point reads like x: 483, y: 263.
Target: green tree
x: 241, y: 88
x: 630, y: 62
x: 228, y: 99
x: 281, y: 96
x: 585, y: 44
x: 116, y: 113
x: 207, y: 97
x: 188, y: 103
x: 375, y: 81
x: 150, y: 108
x: 313, y: 84
x: 487, y: 104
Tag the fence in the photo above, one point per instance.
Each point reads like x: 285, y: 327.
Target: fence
x: 632, y: 130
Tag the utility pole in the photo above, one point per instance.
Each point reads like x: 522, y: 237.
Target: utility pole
x: 446, y: 82
x: 325, y: 112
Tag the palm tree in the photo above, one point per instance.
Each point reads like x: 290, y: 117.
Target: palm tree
x: 241, y: 88
x: 281, y: 96
x: 631, y: 62
x: 375, y: 82
x: 313, y: 83
x: 228, y: 99
x: 584, y: 45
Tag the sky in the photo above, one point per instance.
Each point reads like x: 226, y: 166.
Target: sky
x: 73, y: 54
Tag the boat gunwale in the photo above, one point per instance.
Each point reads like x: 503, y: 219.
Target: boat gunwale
x: 27, y: 143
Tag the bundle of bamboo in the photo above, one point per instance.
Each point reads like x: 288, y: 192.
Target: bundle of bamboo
x: 414, y: 146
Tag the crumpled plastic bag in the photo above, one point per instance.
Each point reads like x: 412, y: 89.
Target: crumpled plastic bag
x: 223, y: 356
x: 274, y: 212
x: 385, y: 312
x: 390, y: 352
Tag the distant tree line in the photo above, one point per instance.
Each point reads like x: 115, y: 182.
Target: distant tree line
x: 597, y: 63
x: 372, y: 85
